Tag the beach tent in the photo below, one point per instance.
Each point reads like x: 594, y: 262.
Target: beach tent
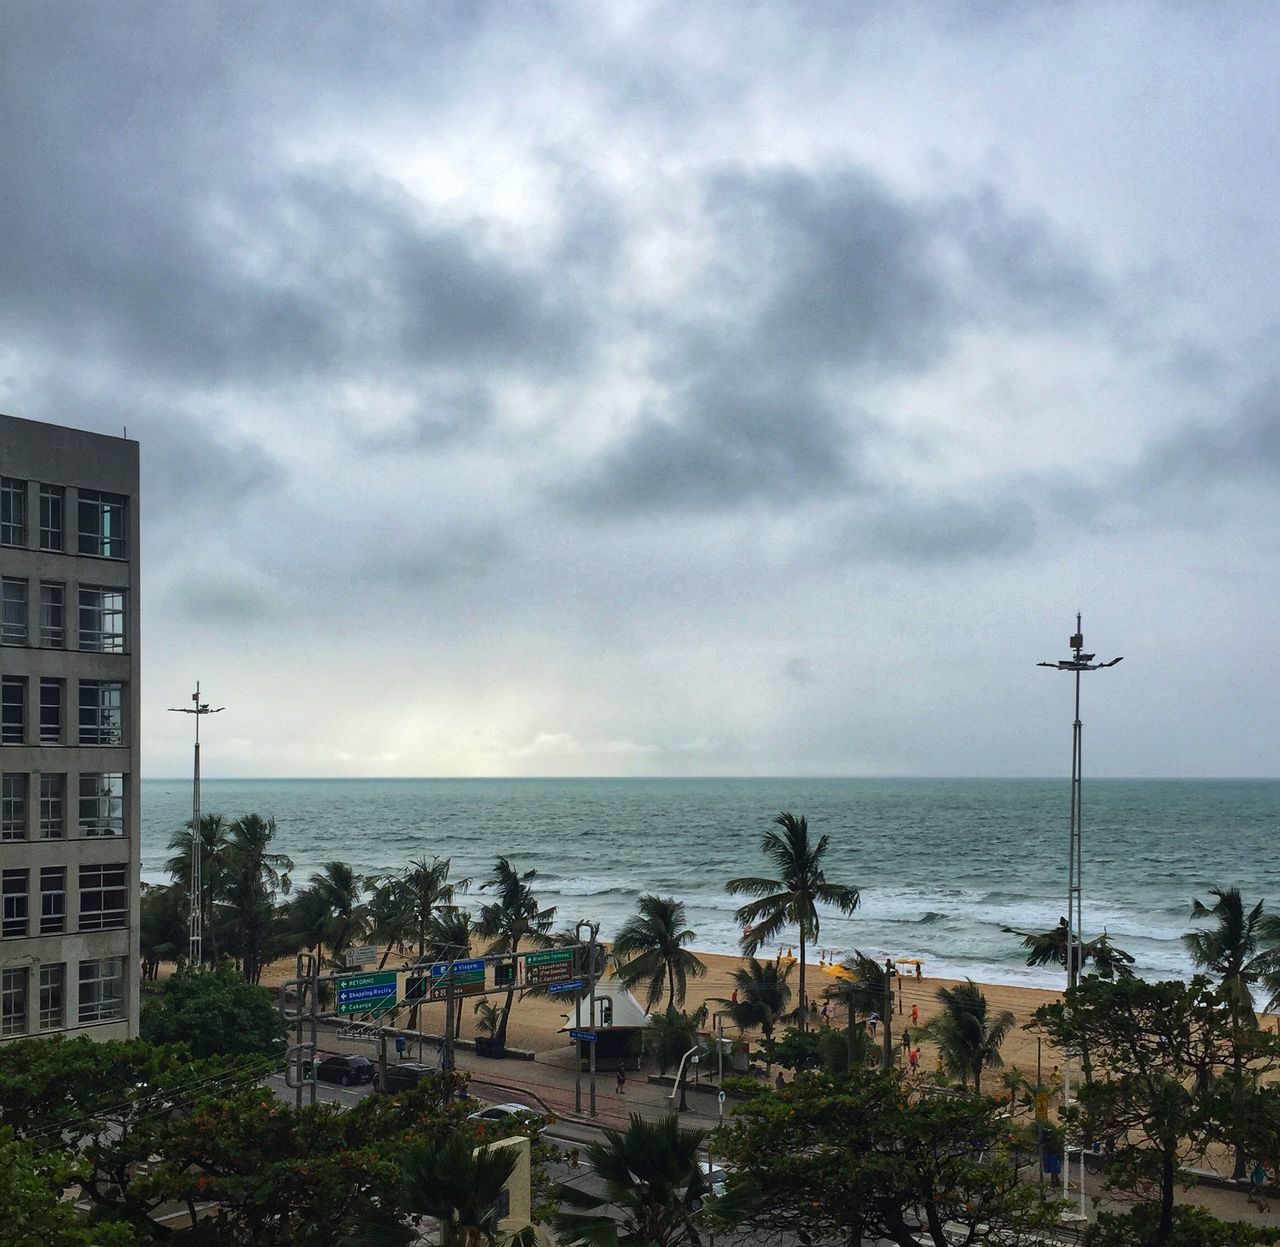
x: 620, y: 1022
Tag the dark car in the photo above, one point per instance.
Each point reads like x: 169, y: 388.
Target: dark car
x: 346, y: 1069
x: 403, y: 1076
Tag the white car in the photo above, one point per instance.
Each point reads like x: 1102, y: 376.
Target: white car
x: 502, y: 1112
x: 714, y: 1176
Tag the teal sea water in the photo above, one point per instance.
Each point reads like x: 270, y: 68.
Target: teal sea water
x: 942, y: 864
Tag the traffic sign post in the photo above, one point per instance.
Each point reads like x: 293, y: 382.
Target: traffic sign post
x: 361, y: 955
x: 569, y: 985
x: 366, y: 993
x: 583, y: 1036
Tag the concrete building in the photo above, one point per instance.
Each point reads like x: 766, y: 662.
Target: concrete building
x: 69, y: 717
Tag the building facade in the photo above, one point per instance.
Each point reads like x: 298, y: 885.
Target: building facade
x: 69, y: 720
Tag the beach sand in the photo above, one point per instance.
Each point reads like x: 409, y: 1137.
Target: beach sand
x: 535, y: 1022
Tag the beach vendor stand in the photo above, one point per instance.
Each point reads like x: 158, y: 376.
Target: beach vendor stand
x: 619, y: 1025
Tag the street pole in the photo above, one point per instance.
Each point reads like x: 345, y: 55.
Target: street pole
x: 1078, y: 663
x: 591, y: 984
x: 577, y: 1051
x: 888, y: 1013
x: 195, y: 912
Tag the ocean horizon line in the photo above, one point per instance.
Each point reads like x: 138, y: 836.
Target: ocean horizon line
x: 519, y: 779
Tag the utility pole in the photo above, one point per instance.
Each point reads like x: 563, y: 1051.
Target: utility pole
x: 888, y: 1013
x: 195, y: 919
x: 591, y: 987
x: 1078, y: 662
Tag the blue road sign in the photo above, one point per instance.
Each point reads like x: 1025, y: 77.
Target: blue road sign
x: 583, y: 1036
x: 571, y: 985
x: 458, y: 967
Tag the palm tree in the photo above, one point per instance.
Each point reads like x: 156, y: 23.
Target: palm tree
x: 511, y: 919
x: 967, y: 1033
x: 763, y: 995
x: 792, y: 899
x: 654, y: 1184
x: 654, y: 940
x: 338, y: 893
x: 1050, y: 948
x: 253, y: 877
x: 213, y: 844
x: 1241, y: 950
x: 460, y: 1186
x: 162, y: 926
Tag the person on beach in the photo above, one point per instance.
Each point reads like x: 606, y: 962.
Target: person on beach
x: 871, y: 1023
x: 622, y: 1080
x: 914, y: 1058
x: 906, y: 1041
x: 915, y: 1015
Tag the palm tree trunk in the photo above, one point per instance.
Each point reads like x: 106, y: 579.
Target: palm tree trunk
x: 804, y: 1013
x: 671, y: 983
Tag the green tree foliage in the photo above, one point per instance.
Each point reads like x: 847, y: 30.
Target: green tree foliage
x: 1050, y: 948
x: 853, y: 1158
x: 672, y: 1035
x: 513, y: 918
x: 791, y: 899
x: 1164, y: 1101
x: 968, y: 1033
x: 34, y: 1212
x: 213, y: 845
x: 214, y: 1013
x: 459, y: 1185
x: 652, y: 1181
x: 252, y: 878
x: 1192, y: 1227
x: 335, y: 908
x: 162, y: 926
x: 763, y: 995
x: 654, y: 942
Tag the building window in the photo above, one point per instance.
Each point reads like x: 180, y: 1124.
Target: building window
x: 53, y: 899
x: 13, y: 1001
x: 13, y: 512
x: 53, y: 614
x: 51, y: 692
x: 13, y: 710
x: 53, y: 517
x: 101, y: 712
x: 53, y: 807
x: 102, y: 619
x: 13, y: 807
x: 102, y: 524
x: 53, y: 997
x: 104, y: 898
x: 101, y: 804
x: 13, y: 612
x: 101, y: 989
x: 13, y: 900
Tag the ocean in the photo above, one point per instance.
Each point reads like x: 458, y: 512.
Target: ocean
x: 942, y: 864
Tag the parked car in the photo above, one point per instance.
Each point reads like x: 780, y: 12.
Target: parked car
x: 502, y: 1112
x: 403, y: 1076
x: 345, y: 1068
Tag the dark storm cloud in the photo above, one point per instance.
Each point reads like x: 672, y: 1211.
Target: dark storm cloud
x: 821, y: 284
x: 1244, y: 447
x: 949, y: 531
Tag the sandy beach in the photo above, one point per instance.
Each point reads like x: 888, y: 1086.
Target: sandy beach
x: 536, y: 1022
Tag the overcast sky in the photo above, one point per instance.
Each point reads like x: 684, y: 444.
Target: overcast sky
x: 637, y: 388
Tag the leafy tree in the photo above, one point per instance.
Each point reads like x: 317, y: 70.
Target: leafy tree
x: 458, y: 1185
x: 856, y: 1158
x: 791, y: 899
x: 671, y: 1035
x: 252, y: 878
x: 1163, y: 1102
x: 213, y: 845
x: 654, y: 941
x: 1235, y: 949
x: 216, y: 1013
x: 1192, y: 1227
x: 405, y: 906
x: 653, y: 1181
x: 968, y: 1033
x: 162, y: 926
x: 797, y: 1050
x: 513, y: 918
x: 35, y: 1213
x: 763, y: 995
x: 1050, y: 948
x: 337, y: 894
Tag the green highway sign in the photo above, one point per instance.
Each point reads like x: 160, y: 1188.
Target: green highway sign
x: 364, y: 993
x: 552, y: 966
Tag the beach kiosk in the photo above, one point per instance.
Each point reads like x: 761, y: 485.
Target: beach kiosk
x: 619, y: 1025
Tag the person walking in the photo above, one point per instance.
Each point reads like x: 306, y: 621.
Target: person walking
x: 622, y: 1080
x: 914, y: 1058
x: 906, y: 1041
x: 915, y: 1015
x: 871, y: 1023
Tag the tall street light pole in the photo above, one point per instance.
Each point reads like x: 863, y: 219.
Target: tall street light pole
x: 1078, y: 663
x: 195, y: 918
